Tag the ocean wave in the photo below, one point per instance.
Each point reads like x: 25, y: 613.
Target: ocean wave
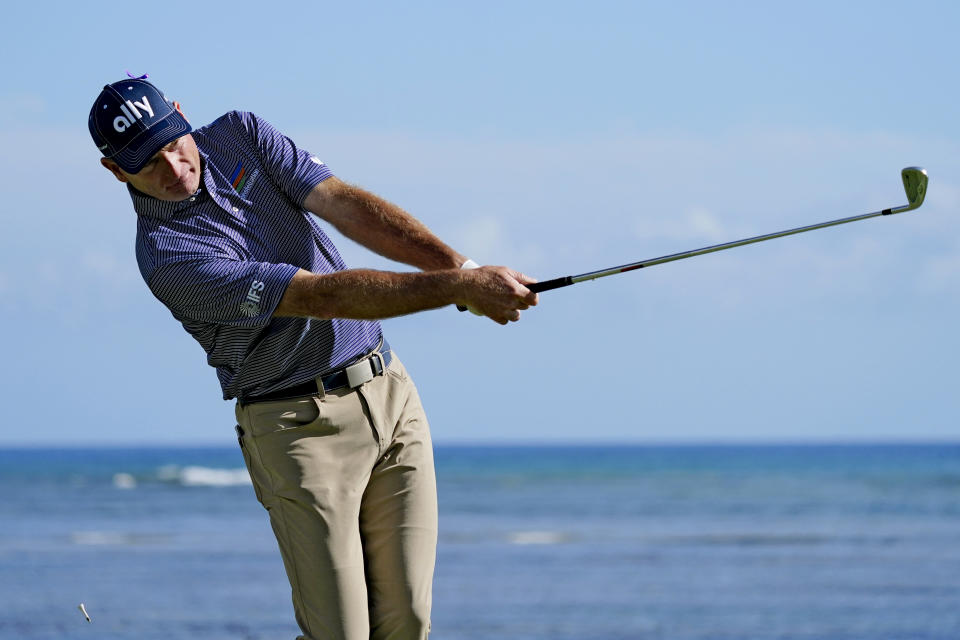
x: 186, y: 476
x: 124, y: 481
x: 195, y: 476
x: 762, y: 539
x: 538, y: 537
x: 114, y: 538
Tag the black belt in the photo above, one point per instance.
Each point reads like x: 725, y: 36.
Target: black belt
x: 367, y: 368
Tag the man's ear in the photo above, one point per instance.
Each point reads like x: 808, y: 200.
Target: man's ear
x: 114, y: 168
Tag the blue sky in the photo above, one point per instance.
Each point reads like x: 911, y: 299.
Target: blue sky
x: 554, y: 137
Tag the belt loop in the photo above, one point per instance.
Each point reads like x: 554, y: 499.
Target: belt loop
x: 383, y: 363
x: 321, y: 392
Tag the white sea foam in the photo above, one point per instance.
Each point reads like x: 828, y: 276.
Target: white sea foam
x: 537, y: 537
x: 113, y: 538
x: 95, y: 537
x: 197, y: 476
x: 124, y: 481
x: 207, y: 477
x: 188, y: 476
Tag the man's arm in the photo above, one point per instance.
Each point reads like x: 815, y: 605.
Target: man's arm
x: 380, y: 226
x: 364, y: 294
x: 385, y: 228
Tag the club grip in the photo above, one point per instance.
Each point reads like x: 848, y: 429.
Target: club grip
x: 537, y: 287
x: 546, y: 285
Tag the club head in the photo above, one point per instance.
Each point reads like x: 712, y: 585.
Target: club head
x: 915, y: 185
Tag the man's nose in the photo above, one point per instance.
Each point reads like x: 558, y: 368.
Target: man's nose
x: 172, y: 163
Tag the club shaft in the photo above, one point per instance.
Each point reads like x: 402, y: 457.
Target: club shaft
x: 556, y: 283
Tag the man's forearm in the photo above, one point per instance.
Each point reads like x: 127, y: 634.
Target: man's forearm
x: 381, y: 226
x: 365, y: 294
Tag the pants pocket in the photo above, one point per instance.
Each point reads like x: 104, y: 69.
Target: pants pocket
x: 246, y: 460
x: 283, y: 415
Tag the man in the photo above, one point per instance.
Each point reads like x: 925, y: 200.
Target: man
x: 330, y: 425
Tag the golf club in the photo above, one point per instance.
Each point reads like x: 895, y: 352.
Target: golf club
x: 914, y: 183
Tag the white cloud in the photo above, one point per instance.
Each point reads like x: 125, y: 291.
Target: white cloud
x: 695, y: 224
x: 482, y: 236
x: 485, y: 239
x: 705, y: 224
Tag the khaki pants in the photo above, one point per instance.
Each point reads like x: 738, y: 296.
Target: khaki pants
x: 348, y: 480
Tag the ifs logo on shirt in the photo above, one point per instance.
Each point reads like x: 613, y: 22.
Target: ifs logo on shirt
x: 251, y: 306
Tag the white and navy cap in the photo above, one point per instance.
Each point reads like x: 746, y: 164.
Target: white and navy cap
x: 131, y: 120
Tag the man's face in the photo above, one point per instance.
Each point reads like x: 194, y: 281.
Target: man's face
x: 172, y: 174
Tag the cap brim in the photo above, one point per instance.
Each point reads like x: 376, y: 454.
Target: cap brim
x: 135, y: 155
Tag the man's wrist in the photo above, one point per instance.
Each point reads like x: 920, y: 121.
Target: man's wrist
x: 469, y: 264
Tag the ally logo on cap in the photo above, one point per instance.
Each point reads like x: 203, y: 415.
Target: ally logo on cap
x: 131, y: 113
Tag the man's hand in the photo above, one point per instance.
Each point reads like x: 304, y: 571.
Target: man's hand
x: 497, y: 292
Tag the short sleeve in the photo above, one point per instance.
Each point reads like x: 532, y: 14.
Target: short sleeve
x: 222, y: 290
x: 295, y: 170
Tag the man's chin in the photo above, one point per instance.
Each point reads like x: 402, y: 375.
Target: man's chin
x: 178, y: 193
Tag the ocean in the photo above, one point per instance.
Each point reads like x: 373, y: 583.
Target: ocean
x: 720, y: 542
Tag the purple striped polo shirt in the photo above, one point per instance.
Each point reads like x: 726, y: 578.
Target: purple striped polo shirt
x: 222, y: 259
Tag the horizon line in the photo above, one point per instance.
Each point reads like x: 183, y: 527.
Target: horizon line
x: 531, y: 444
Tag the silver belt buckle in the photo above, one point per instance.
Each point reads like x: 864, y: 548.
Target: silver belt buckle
x: 359, y: 373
